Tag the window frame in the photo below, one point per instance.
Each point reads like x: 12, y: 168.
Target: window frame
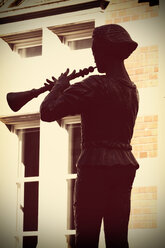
x: 66, y: 121
x: 17, y: 124
x: 20, y: 182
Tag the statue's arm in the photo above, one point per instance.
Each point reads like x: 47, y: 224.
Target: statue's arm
x: 64, y: 100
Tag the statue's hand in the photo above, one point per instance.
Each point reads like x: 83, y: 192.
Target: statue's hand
x: 50, y: 83
x: 63, y: 80
x: 66, y: 77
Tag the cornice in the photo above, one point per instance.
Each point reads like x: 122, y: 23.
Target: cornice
x: 28, y: 14
x: 22, y: 121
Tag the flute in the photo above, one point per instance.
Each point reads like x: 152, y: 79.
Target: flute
x: 16, y: 100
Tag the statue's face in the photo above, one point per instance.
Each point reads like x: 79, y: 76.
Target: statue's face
x: 100, y: 62
x: 99, y: 56
x: 105, y: 56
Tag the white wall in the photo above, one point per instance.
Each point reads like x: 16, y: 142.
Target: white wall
x: 8, y: 189
x: 53, y: 186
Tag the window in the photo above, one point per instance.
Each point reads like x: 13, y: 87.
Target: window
x: 27, y: 128
x: 28, y: 187
x: 73, y: 126
x: 74, y: 133
x: 26, y: 44
x: 32, y: 51
x: 76, y: 36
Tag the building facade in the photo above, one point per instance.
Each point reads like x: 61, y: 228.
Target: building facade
x: 38, y: 160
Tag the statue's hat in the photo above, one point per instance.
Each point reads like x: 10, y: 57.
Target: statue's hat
x: 115, y: 38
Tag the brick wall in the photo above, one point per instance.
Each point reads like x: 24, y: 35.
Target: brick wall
x: 144, y: 199
x: 145, y: 139
x: 143, y: 207
x: 142, y: 66
x: 120, y: 11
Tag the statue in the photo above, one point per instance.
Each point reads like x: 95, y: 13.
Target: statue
x: 108, y: 105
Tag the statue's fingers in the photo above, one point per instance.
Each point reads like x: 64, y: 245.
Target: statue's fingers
x: 66, y: 72
x: 54, y: 79
x: 73, y: 73
x: 49, y: 81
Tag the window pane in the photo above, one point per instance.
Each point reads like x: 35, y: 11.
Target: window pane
x: 80, y: 44
x: 30, y: 241
x: 70, y: 224
x: 30, y: 220
x: 75, y: 146
x: 34, y: 51
x: 71, y: 241
x: 30, y: 151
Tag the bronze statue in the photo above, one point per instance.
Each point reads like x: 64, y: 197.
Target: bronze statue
x: 108, y: 105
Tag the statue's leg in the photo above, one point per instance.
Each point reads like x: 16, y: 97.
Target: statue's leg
x: 87, y: 209
x: 117, y: 210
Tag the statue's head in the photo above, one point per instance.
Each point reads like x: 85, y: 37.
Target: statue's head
x: 111, y: 42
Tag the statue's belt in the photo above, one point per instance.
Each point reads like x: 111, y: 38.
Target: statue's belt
x: 107, y: 144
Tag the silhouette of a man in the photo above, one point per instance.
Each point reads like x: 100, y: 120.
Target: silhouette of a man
x: 106, y: 168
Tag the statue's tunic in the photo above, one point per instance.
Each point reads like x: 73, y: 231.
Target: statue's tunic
x: 108, y: 109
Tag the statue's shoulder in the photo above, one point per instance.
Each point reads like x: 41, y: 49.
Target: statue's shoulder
x: 94, y: 81
x: 92, y: 84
